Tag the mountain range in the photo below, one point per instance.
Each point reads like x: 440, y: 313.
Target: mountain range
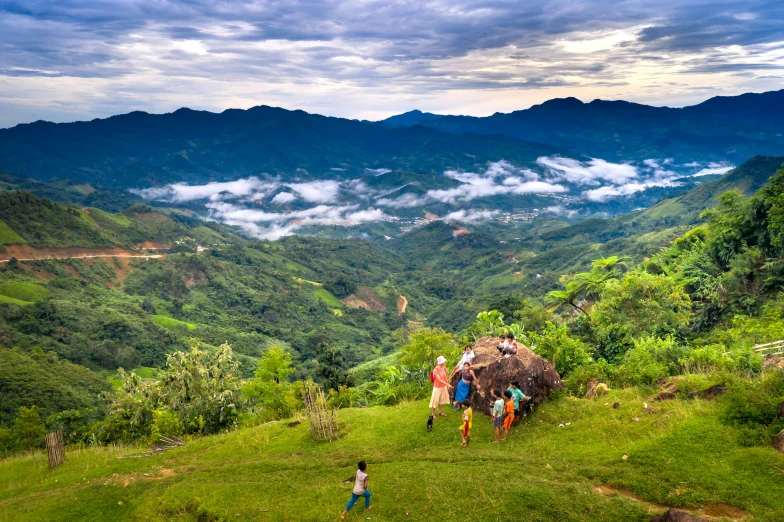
x: 275, y: 172
x: 723, y: 128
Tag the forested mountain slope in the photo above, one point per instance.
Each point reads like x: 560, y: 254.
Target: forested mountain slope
x: 140, y: 149
x: 722, y: 128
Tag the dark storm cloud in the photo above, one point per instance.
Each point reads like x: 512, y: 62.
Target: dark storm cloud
x: 405, y: 46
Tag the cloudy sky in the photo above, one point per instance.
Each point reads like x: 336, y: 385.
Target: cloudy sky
x: 70, y: 59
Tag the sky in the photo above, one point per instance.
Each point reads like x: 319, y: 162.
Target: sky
x: 69, y: 60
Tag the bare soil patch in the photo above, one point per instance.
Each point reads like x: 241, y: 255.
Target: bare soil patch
x: 152, y: 245
x: 355, y: 302
x: 402, y: 304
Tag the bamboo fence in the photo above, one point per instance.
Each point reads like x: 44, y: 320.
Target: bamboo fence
x: 55, y: 449
x: 322, y: 418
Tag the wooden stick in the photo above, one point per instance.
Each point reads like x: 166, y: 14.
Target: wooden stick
x: 757, y: 346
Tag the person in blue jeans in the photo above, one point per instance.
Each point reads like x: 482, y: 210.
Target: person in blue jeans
x: 360, y: 490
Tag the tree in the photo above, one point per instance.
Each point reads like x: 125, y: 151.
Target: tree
x: 489, y: 323
x: 270, y: 388
x: 641, y: 304
x: 274, y: 366
x: 202, y: 387
x: 533, y: 316
x: 332, y: 367
x: 28, y: 428
x: 425, y: 346
x: 568, y: 296
x: 565, y: 352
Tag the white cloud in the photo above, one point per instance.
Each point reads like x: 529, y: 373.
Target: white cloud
x: 404, y: 201
x: 280, y: 224
x: 284, y: 197
x: 516, y: 181
x: 714, y: 168
x: 378, y: 172
x: 182, y: 192
x: 602, y: 194
x: 325, y: 191
x: 588, y: 173
x: 470, y: 216
x: 518, y: 186
x: 600, y: 41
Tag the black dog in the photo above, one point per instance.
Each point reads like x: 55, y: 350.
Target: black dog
x: 430, y: 420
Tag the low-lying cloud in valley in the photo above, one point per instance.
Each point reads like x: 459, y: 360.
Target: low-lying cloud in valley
x: 272, y: 208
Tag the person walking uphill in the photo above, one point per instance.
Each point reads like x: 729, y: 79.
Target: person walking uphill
x: 440, y: 395
x: 360, y: 490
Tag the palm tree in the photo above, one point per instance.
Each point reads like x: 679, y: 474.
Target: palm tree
x: 609, y: 263
x: 568, y: 296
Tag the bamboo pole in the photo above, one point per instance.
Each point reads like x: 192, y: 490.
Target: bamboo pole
x: 55, y: 450
x: 758, y: 347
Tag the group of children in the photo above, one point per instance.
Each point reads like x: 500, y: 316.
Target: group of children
x: 506, y: 407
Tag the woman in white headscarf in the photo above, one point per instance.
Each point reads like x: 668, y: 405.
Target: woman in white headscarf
x: 441, y: 386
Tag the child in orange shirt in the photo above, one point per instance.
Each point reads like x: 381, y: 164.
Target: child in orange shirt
x: 509, y: 413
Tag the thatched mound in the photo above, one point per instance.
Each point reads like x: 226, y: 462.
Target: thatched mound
x: 535, y: 374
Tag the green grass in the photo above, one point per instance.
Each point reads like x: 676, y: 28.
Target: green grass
x: 679, y: 456
x: 29, y: 292
x: 327, y: 297
x: 8, y: 236
x: 119, y: 219
x: 4, y: 299
x: 85, y: 189
x: 144, y: 372
x: 170, y: 323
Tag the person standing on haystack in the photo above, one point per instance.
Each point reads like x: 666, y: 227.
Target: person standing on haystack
x: 440, y: 395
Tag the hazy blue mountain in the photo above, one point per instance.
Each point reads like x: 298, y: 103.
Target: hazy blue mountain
x: 410, y: 118
x: 140, y: 149
x: 719, y: 129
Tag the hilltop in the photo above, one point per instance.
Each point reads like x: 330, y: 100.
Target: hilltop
x: 575, y: 459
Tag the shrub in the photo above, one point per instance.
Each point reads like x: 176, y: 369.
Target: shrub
x: 575, y: 383
x: 7, y: 441
x: 29, y: 431
x: 640, y: 364
x: 565, y: 352
x: 165, y: 423
x: 751, y: 404
x: 642, y: 304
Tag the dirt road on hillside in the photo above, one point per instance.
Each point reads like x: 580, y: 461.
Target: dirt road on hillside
x: 28, y: 253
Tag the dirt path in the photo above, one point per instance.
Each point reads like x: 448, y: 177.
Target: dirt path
x: 138, y: 256
x: 28, y: 253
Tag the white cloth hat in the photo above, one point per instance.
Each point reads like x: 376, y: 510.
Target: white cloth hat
x: 441, y: 359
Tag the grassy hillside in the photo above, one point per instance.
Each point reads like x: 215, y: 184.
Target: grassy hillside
x: 679, y: 456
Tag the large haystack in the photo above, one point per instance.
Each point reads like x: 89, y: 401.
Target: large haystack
x: 535, y: 374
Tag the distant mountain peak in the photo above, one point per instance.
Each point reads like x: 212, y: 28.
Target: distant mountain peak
x: 571, y: 101
x: 410, y: 118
